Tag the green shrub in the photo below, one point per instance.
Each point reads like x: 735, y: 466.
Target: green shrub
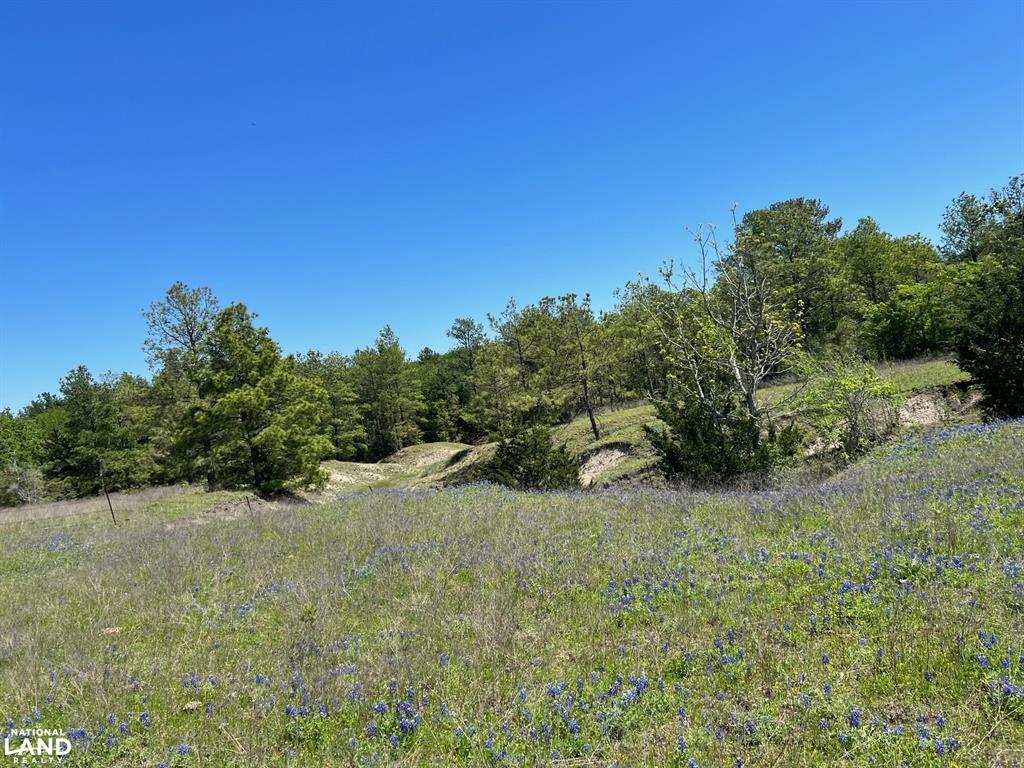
x: 855, y: 407
x: 529, y: 460
x: 705, y: 449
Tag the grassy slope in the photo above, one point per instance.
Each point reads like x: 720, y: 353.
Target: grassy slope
x: 595, y: 627
x: 438, y: 464
x: 625, y: 427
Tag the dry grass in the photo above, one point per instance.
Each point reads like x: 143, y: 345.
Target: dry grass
x: 96, y: 505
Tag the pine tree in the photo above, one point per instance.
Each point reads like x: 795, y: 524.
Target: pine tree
x: 263, y: 420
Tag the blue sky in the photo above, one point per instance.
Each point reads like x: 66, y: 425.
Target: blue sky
x: 340, y: 166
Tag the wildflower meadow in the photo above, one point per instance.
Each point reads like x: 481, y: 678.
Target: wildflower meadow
x: 872, y: 620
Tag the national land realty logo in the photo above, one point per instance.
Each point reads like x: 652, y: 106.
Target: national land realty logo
x: 35, y: 746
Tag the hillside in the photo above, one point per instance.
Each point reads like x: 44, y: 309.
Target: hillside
x: 870, y: 620
x: 929, y: 390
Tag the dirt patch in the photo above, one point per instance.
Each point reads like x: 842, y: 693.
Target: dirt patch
x: 349, y: 476
x: 424, y: 455
x: 600, y: 462
x: 922, y: 410
x: 820, y: 445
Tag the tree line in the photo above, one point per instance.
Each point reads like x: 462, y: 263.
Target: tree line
x: 788, y: 290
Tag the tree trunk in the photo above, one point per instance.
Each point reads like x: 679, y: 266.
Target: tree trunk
x: 257, y: 475
x: 522, y: 365
x: 211, y: 473
x: 590, y: 409
x: 586, y: 386
x: 755, y: 414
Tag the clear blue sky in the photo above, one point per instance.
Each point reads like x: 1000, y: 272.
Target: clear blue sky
x: 340, y: 166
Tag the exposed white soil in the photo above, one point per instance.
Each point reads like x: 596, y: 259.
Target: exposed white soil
x: 424, y: 458
x: 923, y: 410
x: 600, y: 462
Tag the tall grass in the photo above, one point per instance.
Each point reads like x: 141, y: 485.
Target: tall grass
x: 876, y: 619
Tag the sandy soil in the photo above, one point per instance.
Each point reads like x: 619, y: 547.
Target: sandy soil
x: 604, y: 460
x: 923, y: 410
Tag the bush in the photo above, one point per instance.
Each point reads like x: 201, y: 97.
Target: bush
x: 21, y: 485
x: 707, y: 449
x: 856, y: 408
x: 529, y: 460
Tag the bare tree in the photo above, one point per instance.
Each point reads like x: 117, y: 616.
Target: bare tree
x: 722, y: 325
x: 179, y: 324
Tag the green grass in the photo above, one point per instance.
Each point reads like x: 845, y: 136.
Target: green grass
x: 616, y: 426
x: 919, y: 375
x: 569, y: 629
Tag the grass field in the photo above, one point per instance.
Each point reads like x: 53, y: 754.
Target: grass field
x: 877, y: 619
